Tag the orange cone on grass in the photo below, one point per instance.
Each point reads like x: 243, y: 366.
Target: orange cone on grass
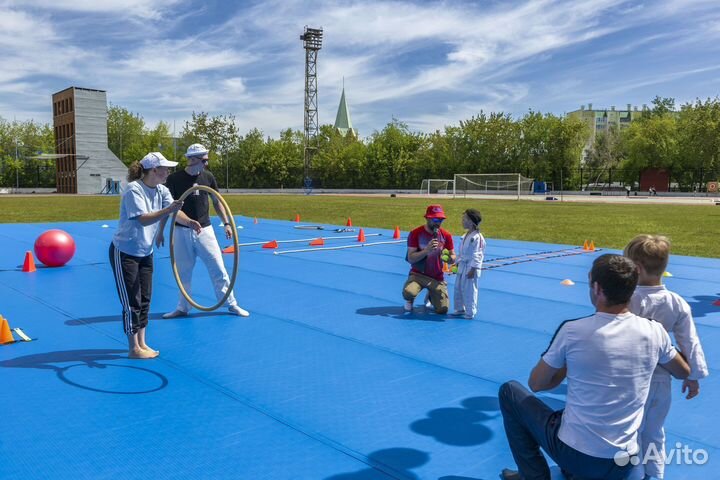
x: 6, y: 335
x: 586, y: 246
x: 297, y: 217
x: 592, y: 245
x: 361, y: 236
x: 349, y: 222
x: 29, y: 264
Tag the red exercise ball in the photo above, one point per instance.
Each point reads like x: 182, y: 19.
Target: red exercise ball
x: 54, y: 248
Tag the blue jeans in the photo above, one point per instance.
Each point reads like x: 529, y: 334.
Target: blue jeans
x: 530, y: 424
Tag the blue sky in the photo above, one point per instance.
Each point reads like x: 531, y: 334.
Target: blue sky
x: 428, y: 64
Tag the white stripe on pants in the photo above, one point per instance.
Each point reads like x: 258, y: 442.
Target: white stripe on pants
x: 466, y: 291
x: 189, y: 246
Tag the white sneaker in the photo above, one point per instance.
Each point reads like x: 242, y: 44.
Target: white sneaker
x: 175, y: 314
x: 428, y: 304
x: 458, y: 313
x: 408, y: 306
x: 240, y: 312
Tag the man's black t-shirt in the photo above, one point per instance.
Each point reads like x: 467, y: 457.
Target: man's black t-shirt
x: 196, y: 204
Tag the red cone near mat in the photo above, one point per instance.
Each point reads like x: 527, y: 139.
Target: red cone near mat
x: 396, y: 235
x: 318, y: 242
x: 361, y: 236
x: 349, y: 222
x: 29, y: 264
x: 297, y: 217
x: 230, y: 249
x: 272, y: 244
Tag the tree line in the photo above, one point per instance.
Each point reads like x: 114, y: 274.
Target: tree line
x: 558, y: 149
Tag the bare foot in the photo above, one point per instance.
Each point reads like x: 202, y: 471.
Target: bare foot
x: 139, y: 353
x: 148, y: 349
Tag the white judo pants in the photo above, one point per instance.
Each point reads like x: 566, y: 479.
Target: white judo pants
x: 466, y: 291
x: 189, y: 246
x: 652, y: 431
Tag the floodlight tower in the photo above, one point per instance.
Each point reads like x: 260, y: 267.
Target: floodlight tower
x: 312, y: 43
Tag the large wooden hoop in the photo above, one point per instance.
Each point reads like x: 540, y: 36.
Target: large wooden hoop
x: 235, y: 243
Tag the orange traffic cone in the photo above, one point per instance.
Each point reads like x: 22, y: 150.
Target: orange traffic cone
x: 592, y: 245
x: 586, y: 246
x: 29, y: 264
x: 297, y: 217
x: 271, y: 244
x: 446, y: 267
x: 349, y: 222
x: 6, y: 335
x: 230, y: 249
x: 318, y: 242
x: 396, y: 234
x: 255, y: 221
x: 361, y: 236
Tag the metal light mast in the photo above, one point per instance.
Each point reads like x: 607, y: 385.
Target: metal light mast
x: 312, y: 43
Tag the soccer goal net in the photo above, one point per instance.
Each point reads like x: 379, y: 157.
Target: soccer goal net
x: 437, y: 186
x: 469, y: 184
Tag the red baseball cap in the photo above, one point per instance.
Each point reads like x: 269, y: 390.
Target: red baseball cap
x: 434, y: 211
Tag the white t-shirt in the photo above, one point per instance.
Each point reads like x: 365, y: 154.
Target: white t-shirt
x: 675, y: 315
x: 610, y: 360
x: 138, y: 199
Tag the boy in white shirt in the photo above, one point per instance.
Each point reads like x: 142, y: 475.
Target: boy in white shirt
x: 652, y: 300
x: 469, y: 263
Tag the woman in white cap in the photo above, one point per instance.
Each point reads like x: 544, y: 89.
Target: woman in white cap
x: 191, y: 245
x: 144, y: 203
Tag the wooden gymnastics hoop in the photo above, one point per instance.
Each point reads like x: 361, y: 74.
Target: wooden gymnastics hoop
x: 235, y: 243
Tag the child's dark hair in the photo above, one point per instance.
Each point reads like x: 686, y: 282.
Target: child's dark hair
x: 474, y: 216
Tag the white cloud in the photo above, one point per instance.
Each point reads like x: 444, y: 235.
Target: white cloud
x: 149, y: 9
x: 425, y: 62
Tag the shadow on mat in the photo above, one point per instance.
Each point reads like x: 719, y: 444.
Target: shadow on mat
x: 396, y: 462
x: 85, y: 369
x: 460, y: 426
x: 75, y: 322
x: 702, y: 305
x: 418, y: 313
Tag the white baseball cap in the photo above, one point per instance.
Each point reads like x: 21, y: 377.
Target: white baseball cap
x: 196, y: 150
x: 156, y: 159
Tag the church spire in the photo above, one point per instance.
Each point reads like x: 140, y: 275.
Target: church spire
x: 342, y: 121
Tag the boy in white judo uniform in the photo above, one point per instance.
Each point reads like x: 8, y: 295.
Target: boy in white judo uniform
x: 469, y: 262
x: 652, y: 300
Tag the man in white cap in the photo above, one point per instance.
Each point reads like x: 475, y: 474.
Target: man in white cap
x: 190, y: 245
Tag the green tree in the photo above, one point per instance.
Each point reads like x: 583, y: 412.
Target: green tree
x: 126, y: 132
x: 605, y: 153
x: 699, y: 142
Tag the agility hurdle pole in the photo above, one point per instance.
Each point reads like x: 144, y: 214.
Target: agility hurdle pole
x: 317, y: 249
x: 300, y: 240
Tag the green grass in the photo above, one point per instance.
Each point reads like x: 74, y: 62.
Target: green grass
x: 692, y: 229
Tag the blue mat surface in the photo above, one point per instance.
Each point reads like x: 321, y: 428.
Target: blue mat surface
x: 327, y: 379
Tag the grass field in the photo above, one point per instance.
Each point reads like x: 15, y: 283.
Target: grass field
x: 693, y: 229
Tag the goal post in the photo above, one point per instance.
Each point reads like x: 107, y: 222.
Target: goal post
x: 471, y: 184
x: 437, y: 186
